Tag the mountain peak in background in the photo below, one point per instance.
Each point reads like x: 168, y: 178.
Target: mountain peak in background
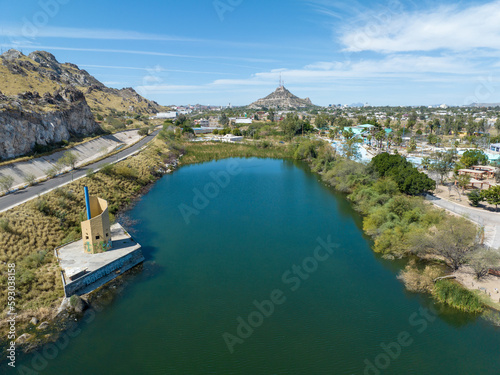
x: 281, y: 98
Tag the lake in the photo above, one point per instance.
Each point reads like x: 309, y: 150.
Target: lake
x: 253, y: 266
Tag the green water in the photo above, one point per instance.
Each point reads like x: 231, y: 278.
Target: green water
x: 201, y: 276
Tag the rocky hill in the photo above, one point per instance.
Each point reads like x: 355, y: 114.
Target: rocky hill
x: 29, y: 119
x: 283, y: 99
x: 41, y: 72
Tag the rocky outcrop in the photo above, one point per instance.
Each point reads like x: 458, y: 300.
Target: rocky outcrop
x: 29, y: 119
x: 40, y: 71
x: 283, y: 99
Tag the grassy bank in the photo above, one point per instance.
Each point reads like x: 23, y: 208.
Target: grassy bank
x: 388, y: 193
x: 30, y: 232
x: 197, y: 152
x: 455, y: 295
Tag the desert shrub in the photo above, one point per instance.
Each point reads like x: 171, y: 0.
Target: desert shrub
x: 416, y: 280
x: 107, y: 169
x: 35, y: 260
x: 475, y: 198
x: 143, y: 131
x: 41, y: 205
x: 5, y: 225
x: 125, y: 171
x: 30, y: 179
x: 346, y: 174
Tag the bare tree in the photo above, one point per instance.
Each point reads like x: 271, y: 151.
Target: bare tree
x: 482, y: 260
x: 68, y: 159
x: 6, y: 183
x: 454, y: 239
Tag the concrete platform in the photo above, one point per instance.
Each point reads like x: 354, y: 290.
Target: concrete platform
x: 82, y: 273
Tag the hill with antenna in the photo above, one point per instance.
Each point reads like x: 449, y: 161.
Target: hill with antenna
x: 281, y: 98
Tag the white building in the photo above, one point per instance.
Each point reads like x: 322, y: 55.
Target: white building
x: 204, y: 123
x: 232, y: 138
x: 167, y: 115
x: 243, y: 121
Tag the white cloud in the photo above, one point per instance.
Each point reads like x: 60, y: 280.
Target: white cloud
x: 156, y: 69
x: 145, y: 53
x: 29, y: 32
x: 392, y: 68
x: 447, y: 27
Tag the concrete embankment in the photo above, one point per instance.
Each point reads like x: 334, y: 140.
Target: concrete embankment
x: 85, y: 152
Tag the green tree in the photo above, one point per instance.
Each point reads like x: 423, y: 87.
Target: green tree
x: 188, y: 130
x: 408, y: 178
x: 143, y: 132
x: 30, y: 179
x: 271, y: 115
x: 482, y: 260
x: 497, y: 124
x: 224, y: 120
x: 454, y: 239
x: 322, y: 121
x: 433, y: 139
x: 380, y: 137
x: 68, y: 159
x: 492, y: 195
x: 434, y: 125
x: 413, y: 145
x: 474, y: 157
x: 475, y: 198
x: 426, y: 163
x: 350, y: 145
x: 181, y: 120
x: 331, y: 134
x: 236, y: 132
x: 443, y: 163
x: 292, y: 126
x: 463, y: 181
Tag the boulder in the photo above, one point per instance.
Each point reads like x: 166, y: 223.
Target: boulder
x: 78, y: 304
x: 34, y: 321
x: 23, y: 338
x: 43, y: 325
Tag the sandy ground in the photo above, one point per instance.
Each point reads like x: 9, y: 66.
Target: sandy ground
x: 460, y: 197
x: 489, y: 285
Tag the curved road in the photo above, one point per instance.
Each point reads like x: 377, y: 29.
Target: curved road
x: 490, y: 220
x: 16, y: 198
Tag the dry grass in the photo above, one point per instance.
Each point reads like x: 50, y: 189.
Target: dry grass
x: 35, y: 228
x: 420, y: 281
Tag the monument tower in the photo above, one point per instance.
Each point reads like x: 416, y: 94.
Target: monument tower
x: 96, y: 230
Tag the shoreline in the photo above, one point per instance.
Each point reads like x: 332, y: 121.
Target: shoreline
x: 52, y: 318
x: 59, y: 323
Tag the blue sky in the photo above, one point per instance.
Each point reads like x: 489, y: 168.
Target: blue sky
x: 233, y: 51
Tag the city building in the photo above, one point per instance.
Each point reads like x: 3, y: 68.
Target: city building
x: 213, y: 121
x: 167, y: 115
x: 495, y: 147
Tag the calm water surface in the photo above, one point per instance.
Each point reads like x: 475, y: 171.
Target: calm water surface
x: 201, y: 280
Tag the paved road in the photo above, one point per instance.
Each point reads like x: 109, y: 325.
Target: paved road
x: 490, y: 220
x: 86, y: 152
x: 14, y: 199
